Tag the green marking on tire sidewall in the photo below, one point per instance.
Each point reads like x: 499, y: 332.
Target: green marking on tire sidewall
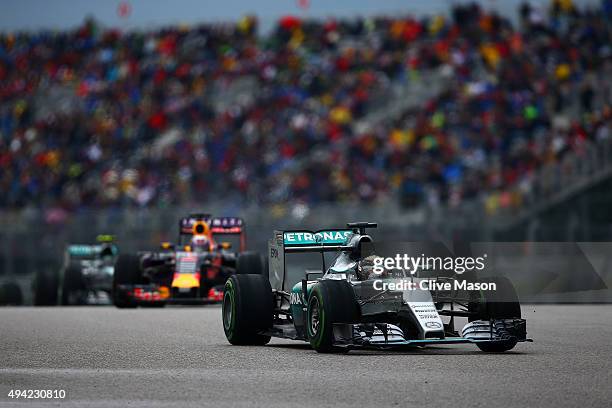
x: 319, y: 336
x: 229, y: 289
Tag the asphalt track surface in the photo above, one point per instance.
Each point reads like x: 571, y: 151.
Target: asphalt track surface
x: 103, y: 356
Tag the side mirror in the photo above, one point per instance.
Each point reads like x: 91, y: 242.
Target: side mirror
x: 225, y: 245
x: 167, y: 246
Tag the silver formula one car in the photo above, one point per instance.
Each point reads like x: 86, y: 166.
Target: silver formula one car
x: 343, y: 306
x: 86, y: 277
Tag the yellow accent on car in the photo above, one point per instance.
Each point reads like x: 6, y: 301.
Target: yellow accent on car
x: 185, y: 280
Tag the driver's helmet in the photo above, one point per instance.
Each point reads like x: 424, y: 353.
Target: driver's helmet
x: 365, y: 268
x: 200, y: 242
x: 107, y: 255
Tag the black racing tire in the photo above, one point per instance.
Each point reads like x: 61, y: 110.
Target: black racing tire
x: 247, y: 309
x: 502, y: 303
x: 72, y: 282
x: 250, y: 263
x: 153, y: 305
x: 127, y: 272
x: 45, y: 288
x: 10, y: 294
x: 497, y: 347
x: 331, y: 301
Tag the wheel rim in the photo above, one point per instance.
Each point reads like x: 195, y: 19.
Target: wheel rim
x: 227, y: 310
x: 314, y: 316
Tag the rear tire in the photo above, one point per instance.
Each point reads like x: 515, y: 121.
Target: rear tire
x: 499, y: 304
x: 45, y: 288
x: 127, y: 272
x: 250, y: 263
x: 247, y: 309
x: 331, y: 301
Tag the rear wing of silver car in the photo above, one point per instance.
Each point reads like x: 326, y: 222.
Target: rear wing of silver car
x: 89, y: 252
x: 303, y: 241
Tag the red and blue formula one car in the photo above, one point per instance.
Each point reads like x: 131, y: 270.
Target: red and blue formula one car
x: 192, y: 271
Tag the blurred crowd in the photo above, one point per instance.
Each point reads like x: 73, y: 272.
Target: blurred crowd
x: 522, y: 99
x: 96, y: 118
